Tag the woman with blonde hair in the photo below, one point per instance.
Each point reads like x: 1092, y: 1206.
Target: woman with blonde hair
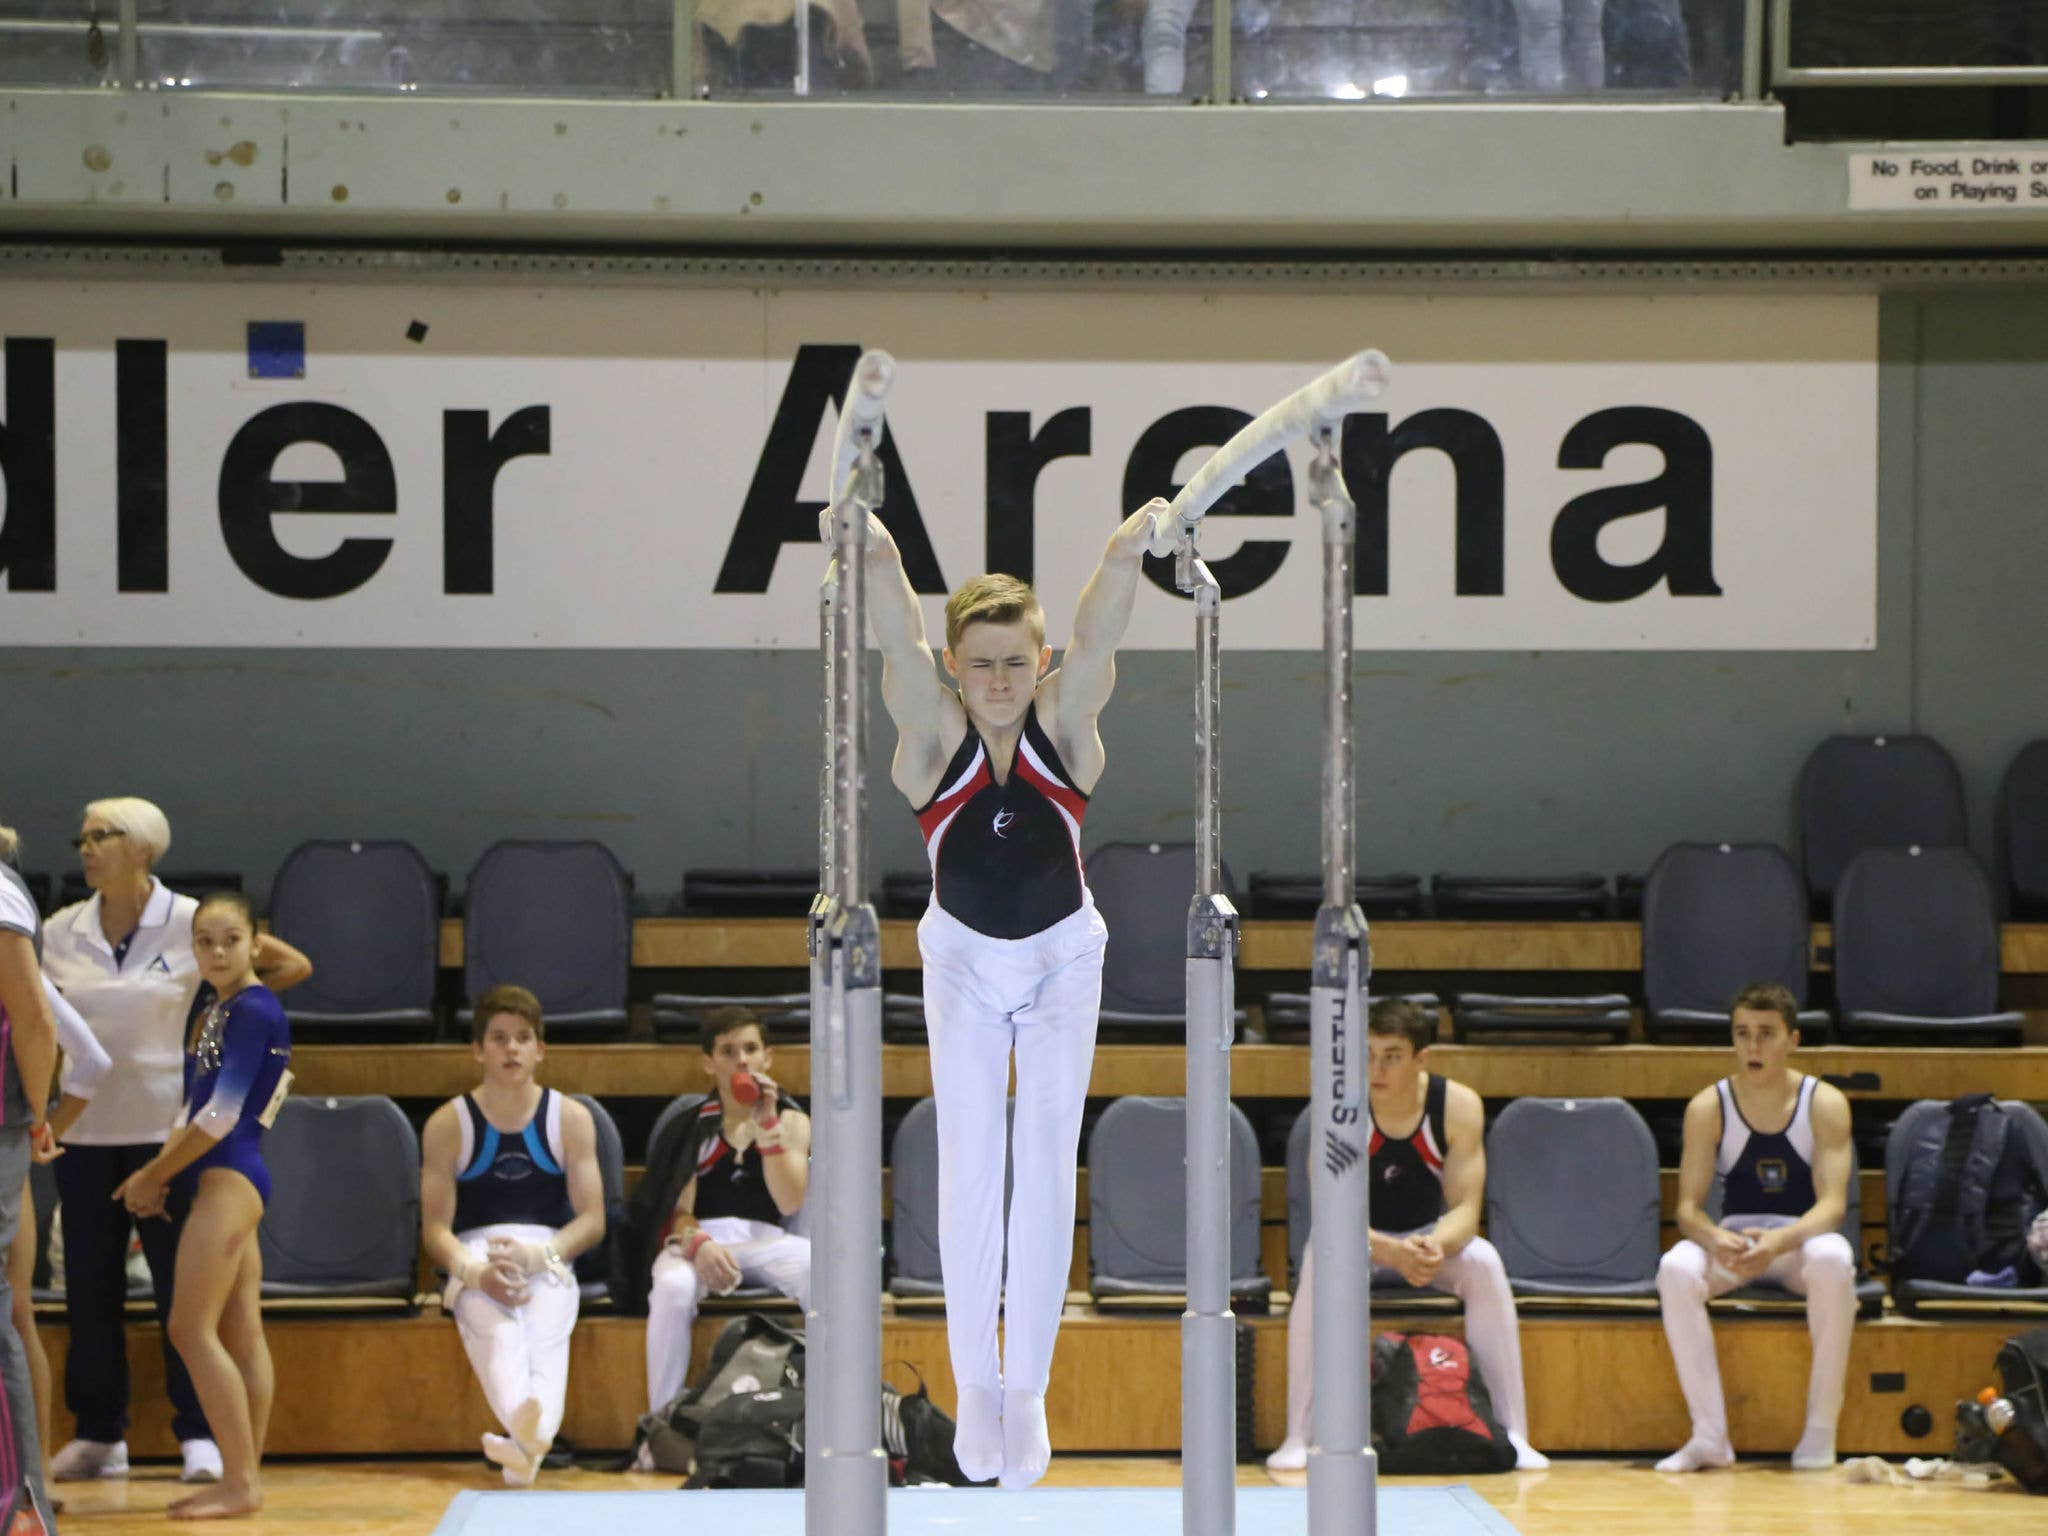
x: 124, y: 959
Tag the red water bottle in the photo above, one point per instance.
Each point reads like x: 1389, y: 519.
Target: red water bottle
x: 744, y: 1089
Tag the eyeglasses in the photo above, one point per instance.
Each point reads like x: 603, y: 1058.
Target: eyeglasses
x: 95, y: 837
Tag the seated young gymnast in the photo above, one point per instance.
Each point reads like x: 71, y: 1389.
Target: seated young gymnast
x: 751, y: 1151
x: 1780, y: 1141
x: 1428, y: 1154
x: 236, y: 1078
x: 999, y: 775
x: 510, y: 1194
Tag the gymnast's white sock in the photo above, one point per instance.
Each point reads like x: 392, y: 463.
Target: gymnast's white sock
x: 1815, y: 1451
x: 1696, y: 1455
x: 1527, y: 1457
x: 978, y: 1435
x: 520, y: 1468
x: 1027, y: 1443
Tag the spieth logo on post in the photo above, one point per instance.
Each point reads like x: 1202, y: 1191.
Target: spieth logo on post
x: 636, y: 468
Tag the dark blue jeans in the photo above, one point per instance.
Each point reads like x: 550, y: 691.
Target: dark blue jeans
x: 96, y: 1228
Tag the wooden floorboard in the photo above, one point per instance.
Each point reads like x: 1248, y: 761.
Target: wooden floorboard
x: 1574, y: 1498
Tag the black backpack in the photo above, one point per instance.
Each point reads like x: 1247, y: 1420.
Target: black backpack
x: 2021, y: 1447
x: 752, y: 1440
x: 1970, y: 1185
x: 752, y: 1355
x: 918, y: 1436
x: 1431, y: 1412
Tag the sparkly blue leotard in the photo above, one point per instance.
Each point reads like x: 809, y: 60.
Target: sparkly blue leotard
x: 233, y: 1067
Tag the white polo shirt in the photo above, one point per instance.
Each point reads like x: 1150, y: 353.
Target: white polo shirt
x: 137, y: 1008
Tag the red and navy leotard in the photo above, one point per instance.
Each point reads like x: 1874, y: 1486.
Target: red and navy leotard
x: 1408, y: 1175
x: 1006, y: 858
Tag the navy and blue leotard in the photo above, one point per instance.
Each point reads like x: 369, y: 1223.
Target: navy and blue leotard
x: 236, y: 1058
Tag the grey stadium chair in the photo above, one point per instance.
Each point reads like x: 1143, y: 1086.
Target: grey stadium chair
x: 368, y: 915
x: 1137, y: 1203
x: 1915, y: 1297
x: 1143, y: 891
x: 1389, y: 1291
x: 2023, y: 830
x: 555, y: 917
x: 1917, y: 950
x: 611, y: 1168
x: 1572, y: 1198
x: 1764, y: 1296
x: 1858, y: 792
x: 1716, y: 917
x: 344, y: 1214
x: 914, y: 1202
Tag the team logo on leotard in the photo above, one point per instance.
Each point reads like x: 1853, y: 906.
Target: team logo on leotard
x: 1772, y: 1174
x: 1002, y: 822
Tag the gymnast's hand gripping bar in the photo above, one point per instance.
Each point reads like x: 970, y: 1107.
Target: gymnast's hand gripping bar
x: 860, y: 417
x: 1317, y: 406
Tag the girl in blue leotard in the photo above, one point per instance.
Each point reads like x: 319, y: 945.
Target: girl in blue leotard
x: 235, y: 1079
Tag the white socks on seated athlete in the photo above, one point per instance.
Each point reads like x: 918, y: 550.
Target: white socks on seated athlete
x: 1527, y: 1457
x: 1815, y: 1451
x: 978, y: 1434
x: 1027, y: 1443
x: 1697, y: 1455
x: 519, y: 1453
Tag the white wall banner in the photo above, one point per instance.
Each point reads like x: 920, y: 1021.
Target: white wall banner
x: 389, y: 464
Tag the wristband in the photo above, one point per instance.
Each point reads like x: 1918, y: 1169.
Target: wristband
x: 695, y: 1241
x: 775, y: 1151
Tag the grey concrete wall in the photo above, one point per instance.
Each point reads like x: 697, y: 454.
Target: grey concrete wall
x: 1474, y: 762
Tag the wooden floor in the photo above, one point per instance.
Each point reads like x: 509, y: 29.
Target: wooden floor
x: 1575, y: 1498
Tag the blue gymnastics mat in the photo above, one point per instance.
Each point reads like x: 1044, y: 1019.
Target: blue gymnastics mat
x: 1454, y: 1511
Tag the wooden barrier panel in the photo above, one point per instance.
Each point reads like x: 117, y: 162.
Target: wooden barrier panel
x: 401, y: 1385
x: 769, y: 943
x: 636, y: 1069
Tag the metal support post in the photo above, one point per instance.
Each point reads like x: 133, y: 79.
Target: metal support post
x: 1208, y: 1329
x: 1342, y: 1468
x: 846, y: 1472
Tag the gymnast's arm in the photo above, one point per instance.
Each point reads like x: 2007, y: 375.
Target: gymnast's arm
x: 1464, y: 1169
x: 1072, y: 698
x: 31, y: 1030
x: 85, y: 1061
x: 929, y: 720
x: 440, y: 1146
x: 244, y: 1051
x: 586, y: 1185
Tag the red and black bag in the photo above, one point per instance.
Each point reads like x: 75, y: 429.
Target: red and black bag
x: 1430, y: 1408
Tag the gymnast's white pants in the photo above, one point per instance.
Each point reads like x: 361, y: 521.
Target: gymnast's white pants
x: 766, y: 1255
x: 1476, y: 1276
x: 1822, y: 1269
x: 520, y: 1352
x: 984, y: 997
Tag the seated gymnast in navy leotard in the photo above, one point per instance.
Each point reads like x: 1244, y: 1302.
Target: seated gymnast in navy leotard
x: 235, y: 1080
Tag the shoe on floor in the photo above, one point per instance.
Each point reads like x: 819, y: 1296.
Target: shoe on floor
x: 83, y: 1460
x: 202, y: 1461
